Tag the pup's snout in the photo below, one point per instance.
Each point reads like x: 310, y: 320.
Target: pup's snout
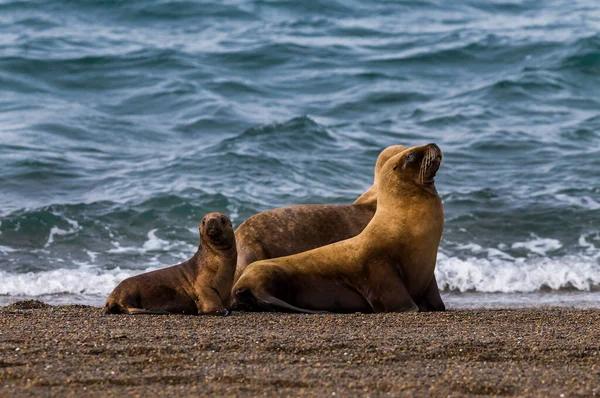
x: 212, y: 223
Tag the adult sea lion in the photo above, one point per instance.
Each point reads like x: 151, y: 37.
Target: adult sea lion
x: 199, y: 285
x: 296, y: 229
x: 388, y: 267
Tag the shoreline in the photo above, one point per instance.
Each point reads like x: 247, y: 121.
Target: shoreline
x: 74, y: 350
x: 575, y: 299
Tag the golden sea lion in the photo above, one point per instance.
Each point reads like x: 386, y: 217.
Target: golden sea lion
x: 388, y: 267
x: 199, y: 285
x: 296, y: 229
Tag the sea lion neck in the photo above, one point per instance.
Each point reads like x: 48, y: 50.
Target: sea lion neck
x: 219, y: 249
x: 398, y: 211
x: 369, y: 198
x: 405, y: 194
x: 210, y: 256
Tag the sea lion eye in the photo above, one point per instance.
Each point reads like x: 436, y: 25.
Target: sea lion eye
x: 223, y: 220
x: 410, y: 157
x: 203, y: 221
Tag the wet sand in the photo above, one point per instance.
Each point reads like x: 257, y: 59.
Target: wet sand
x: 77, y: 350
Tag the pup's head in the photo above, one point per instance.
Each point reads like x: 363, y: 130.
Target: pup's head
x: 217, y: 229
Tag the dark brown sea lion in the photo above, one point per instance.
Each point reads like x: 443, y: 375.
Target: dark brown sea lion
x: 388, y: 267
x: 296, y: 229
x: 199, y: 285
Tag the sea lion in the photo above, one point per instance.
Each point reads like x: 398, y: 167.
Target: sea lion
x: 296, y: 229
x: 199, y: 285
x: 386, y: 268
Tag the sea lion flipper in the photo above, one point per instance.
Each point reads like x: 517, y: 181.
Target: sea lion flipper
x: 258, y: 299
x: 141, y: 311
x: 270, y: 301
x: 391, y: 295
x: 431, y: 299
x: 209, y: 303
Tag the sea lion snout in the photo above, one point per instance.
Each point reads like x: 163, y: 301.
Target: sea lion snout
x: 213, y: 227
x: 434, y: 150
x: 430, y: 161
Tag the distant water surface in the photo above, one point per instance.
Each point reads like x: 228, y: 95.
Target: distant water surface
x: 123, y: 123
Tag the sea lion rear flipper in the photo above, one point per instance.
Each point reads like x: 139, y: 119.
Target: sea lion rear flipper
x: 141, y: 311
x: 271, y: 302
x: 247, y: 299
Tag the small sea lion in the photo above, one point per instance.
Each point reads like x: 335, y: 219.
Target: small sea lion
x: 199, y: 285
x: 296, y: 229
x: 388, y: 267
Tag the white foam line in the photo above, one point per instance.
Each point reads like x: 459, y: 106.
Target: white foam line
x: 522, y: 275
x: 6, y: 249
x: 85, y: 281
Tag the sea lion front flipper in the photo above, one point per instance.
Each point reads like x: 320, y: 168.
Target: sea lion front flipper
x: 209, y: 303
x: 431, y: 299
x: 386, y: 291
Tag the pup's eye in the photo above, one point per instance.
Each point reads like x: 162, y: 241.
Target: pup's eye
x: 410, y: 157
x: 223, y: 220
x: 203, y: 221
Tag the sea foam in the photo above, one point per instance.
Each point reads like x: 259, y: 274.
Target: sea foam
x: 499, y: 275
x: 83, y: 281
x: 494, y: 274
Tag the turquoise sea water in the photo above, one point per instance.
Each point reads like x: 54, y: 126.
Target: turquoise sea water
x: 123, y: 123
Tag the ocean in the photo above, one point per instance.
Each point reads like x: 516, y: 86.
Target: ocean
x: 122, y: 123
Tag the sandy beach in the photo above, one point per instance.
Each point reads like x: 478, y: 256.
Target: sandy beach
x: 75, y: 350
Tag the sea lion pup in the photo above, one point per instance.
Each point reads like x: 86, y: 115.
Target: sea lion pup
x: 386, y: 268
x: 296, y: 229
x: 199, y: 285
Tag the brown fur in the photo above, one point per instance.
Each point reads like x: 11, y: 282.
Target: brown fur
x: 296, y: 229
x: 388, y: 267
x: 199, y: 285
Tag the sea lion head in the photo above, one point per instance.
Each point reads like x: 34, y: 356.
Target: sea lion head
x: 415, y: 166
x: 216, y: 228
x: 385, y: 155
x: 370, y: 196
